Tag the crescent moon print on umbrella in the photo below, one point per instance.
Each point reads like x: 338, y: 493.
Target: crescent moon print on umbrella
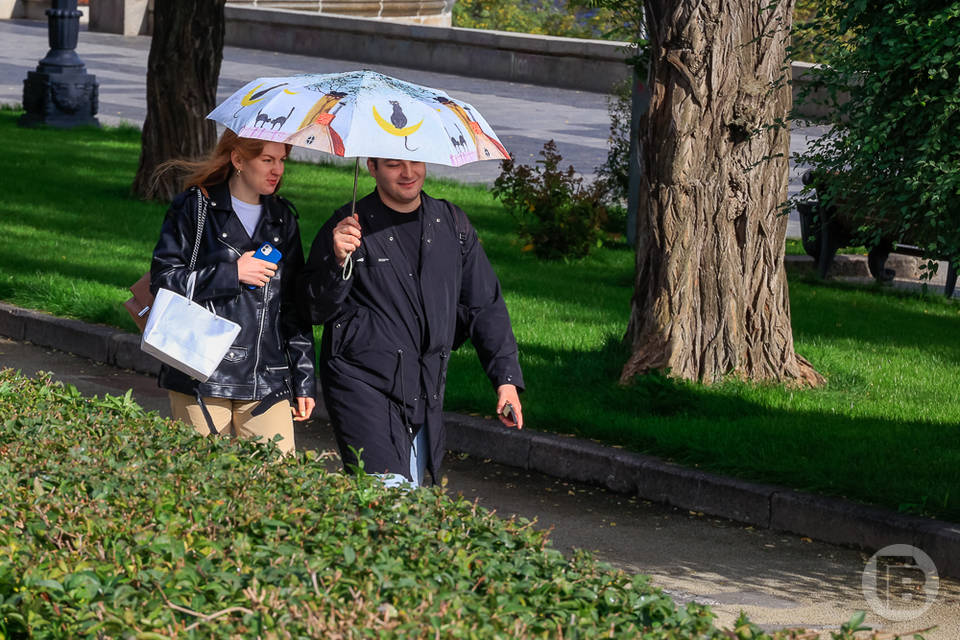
x: 252, y: 97
x: 398, y: 123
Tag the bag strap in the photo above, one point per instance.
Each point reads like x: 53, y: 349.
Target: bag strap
x: 191, y: 281
x: 201, y: 218
x: 191, y: 284
x: 205, y: 412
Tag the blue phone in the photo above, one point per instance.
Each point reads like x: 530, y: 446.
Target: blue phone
x: 269, y: 253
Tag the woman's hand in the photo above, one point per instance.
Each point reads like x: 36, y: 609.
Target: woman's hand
x: 304, y: 408
x: 346, y: 238
x: 254, y: 271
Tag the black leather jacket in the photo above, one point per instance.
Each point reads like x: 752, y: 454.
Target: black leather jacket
x: 274, y: 349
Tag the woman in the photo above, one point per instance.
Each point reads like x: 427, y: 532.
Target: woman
x: 272, y: 359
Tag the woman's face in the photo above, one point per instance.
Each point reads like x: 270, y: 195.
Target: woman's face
x: 260, y: 176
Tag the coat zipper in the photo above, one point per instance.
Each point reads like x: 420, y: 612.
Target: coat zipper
x: 232, y: 248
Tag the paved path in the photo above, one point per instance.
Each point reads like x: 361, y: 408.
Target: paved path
x: 524, y: 116
x: 780, y: 580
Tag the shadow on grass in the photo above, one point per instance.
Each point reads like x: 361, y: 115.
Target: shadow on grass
x: 109, y: 274
x: 749, y: 431
x: 890, y: 319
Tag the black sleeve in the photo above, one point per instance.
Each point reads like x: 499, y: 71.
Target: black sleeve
x: 485, y: 315
x: 295, y: 325
x: 322, y: 277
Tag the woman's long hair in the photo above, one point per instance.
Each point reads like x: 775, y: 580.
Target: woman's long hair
x: 217, y: 166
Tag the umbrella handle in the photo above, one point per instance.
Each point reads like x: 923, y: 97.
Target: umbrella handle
x: 348, y: 261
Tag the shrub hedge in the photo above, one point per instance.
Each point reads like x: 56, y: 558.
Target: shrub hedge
x: 116, y: 523
x: 556, y: 214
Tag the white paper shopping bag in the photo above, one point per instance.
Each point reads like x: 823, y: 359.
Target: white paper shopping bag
x: 184, y: 335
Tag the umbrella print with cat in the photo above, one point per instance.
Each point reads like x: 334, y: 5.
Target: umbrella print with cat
x: 361, y: 114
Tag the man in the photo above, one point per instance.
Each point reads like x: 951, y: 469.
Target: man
x: 420, y: 285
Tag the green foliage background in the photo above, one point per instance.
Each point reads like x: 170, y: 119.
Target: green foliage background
x: 891, y: 160
x: 568, y: 18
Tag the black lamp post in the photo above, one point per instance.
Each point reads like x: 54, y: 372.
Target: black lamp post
x: 60, y: 92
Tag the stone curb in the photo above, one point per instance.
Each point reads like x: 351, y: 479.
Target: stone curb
x: 855, y: 266
x: 96, y: 342
x: 768, y: 506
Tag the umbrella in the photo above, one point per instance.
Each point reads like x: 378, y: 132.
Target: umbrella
x: 361, y: 114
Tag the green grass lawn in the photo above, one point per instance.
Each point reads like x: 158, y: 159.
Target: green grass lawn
x: 884, y: 429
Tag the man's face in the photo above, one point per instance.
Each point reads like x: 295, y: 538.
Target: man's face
x: 399, y: 182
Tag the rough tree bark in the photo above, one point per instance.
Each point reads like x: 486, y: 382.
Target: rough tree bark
x: 711, y: 294
x: 182, y: 73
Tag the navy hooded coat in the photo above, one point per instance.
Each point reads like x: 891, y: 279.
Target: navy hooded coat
x: 389, y: 329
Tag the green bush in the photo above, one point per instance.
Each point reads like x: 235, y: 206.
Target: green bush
x: 556, y: 214
x: 807, y: 31
x: 567, y: 18
x: 116, y: 523
x: 891, y: 159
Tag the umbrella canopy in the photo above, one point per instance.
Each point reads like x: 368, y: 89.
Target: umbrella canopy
x: 361, y: 114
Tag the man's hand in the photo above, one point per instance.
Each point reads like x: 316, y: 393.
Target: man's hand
x: 303, y: 409
x: 254, y: 271
x: 507, y: 393
x: 346, y: 238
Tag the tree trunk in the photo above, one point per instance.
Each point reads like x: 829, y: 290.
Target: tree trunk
x: 711, y: 294
x: 182, y: 73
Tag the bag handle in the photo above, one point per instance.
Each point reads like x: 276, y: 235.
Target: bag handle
x: 191, y: 283
x: 201, y: 218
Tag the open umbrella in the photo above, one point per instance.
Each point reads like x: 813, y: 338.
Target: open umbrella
x: 361, y: 114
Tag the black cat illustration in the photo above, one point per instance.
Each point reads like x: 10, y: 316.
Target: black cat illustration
x: 453, y: 140
x: 399, y: 120
x: 279, y: 121
x: 461, y: 142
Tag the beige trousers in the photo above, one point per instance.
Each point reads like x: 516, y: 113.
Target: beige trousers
x: 232, y: 417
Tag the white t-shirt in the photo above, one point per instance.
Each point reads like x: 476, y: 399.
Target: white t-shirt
x: 249, y: 214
